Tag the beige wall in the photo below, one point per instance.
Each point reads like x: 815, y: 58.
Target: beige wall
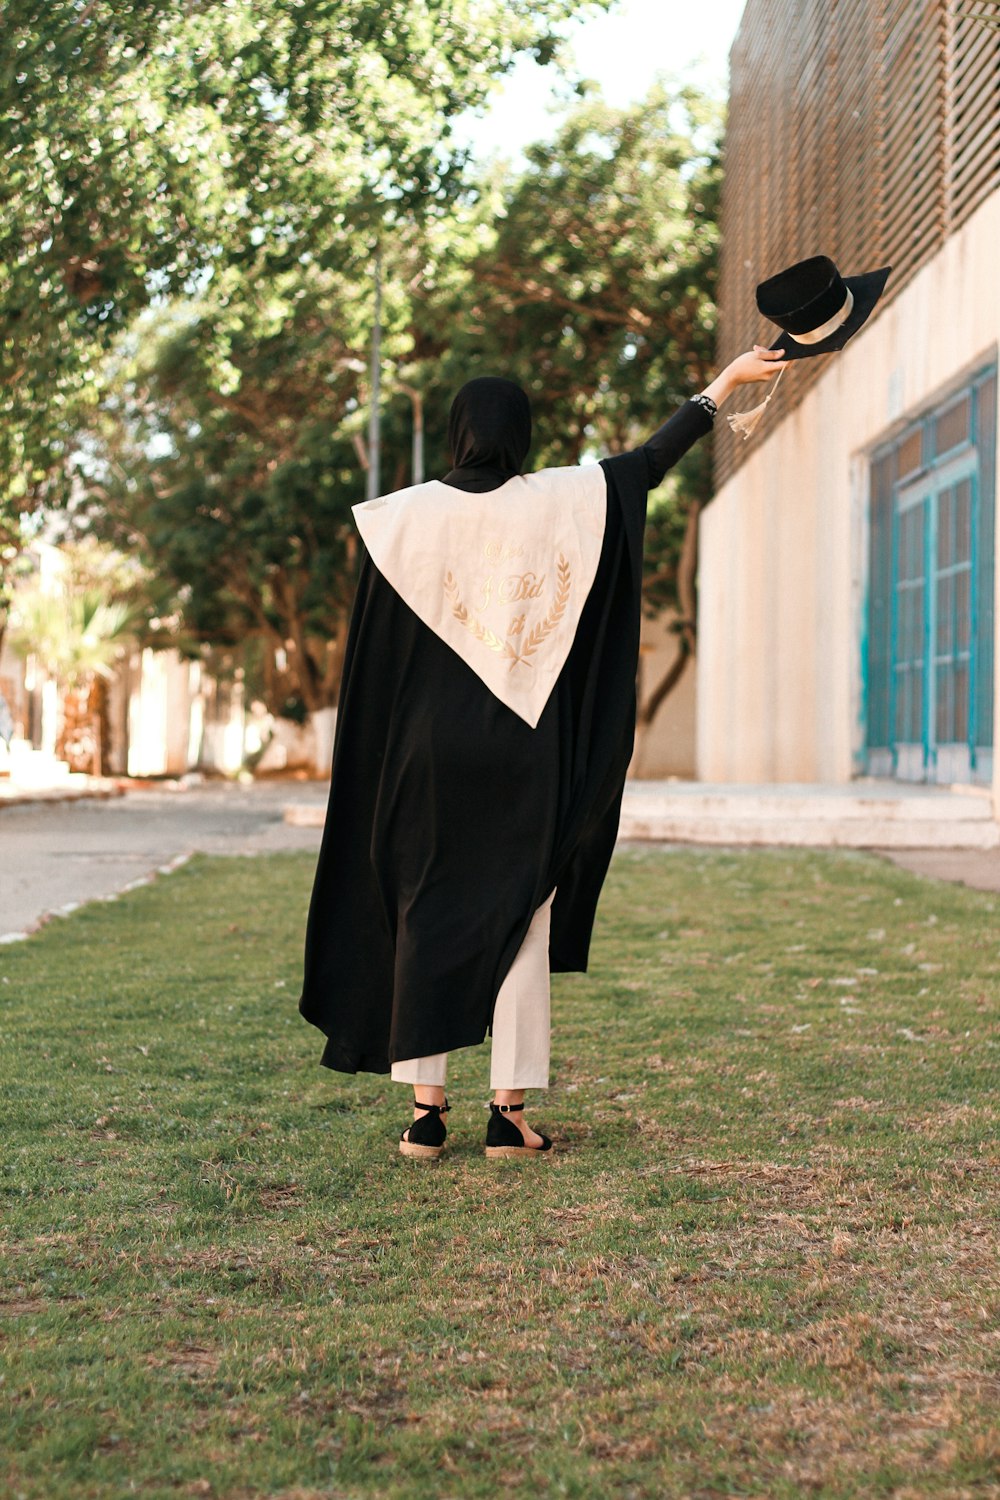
x: 667, y: 747
x: 783, y: 544
x: 159, y: 715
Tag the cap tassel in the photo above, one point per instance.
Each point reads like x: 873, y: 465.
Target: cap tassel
x: 746, y: 422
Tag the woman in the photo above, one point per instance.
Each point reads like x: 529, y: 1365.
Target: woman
x: 484, y: 731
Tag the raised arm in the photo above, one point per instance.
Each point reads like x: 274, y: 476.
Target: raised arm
x: 695, y: 417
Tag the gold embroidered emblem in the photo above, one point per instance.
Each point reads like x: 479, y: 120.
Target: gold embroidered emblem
x: 536, y: 635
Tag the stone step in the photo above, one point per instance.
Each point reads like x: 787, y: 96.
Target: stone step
x: 30, y: 767
x: 876, y: 833
x: 71, y: 788
x: 896, y: 816
x: 798, y: 800
x: 304, y: 814
x: 805, y: 815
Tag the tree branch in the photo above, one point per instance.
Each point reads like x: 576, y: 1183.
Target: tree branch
x: 537, y: 293
x: 667, y: 683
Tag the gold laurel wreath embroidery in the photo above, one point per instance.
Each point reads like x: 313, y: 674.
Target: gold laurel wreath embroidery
x: 536, y: 635
x: 545, y: 627
x: 462, y: 615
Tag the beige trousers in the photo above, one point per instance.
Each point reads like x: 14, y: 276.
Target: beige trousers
x: 520, y: 1053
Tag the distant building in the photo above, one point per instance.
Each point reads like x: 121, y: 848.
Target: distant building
x: 846, y: 604
x: 167, y: 714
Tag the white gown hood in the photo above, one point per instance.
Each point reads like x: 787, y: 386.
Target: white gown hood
x: 502, y: 576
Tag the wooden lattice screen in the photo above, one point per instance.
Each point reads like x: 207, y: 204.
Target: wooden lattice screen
x: 866, y: 130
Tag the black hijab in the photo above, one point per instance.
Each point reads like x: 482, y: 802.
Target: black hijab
x: 489, y: 433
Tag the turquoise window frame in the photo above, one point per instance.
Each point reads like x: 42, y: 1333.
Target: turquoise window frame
x: 972, y: 459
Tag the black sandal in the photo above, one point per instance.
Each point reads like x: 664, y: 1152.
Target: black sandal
x: 503, y: 1137
x: 427, y: 1134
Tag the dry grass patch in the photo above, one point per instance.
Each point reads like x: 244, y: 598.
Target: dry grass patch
x: 762, y: 1262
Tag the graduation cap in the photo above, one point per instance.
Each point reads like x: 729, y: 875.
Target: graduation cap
x: 818, y: 311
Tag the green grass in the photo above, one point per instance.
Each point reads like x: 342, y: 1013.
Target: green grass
x: 762, y: 1260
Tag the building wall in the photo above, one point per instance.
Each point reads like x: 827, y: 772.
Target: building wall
x: 667, y: 746
x: 866, y: 130
x: 159, y: 715
x: 783, y: 558
x: 167, y: 714
x: 180, y: 717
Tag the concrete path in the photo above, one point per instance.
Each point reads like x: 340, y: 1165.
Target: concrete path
x: 979, y: 868
x: 56, y: 854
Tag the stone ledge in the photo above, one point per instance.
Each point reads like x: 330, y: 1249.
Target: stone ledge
x: 854, y: 816
x: 101, y: 787
x: 823, y: 833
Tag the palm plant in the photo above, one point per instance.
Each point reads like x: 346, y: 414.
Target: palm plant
x: 77, y: 636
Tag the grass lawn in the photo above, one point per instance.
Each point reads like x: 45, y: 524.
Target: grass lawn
x: 762, y: 1260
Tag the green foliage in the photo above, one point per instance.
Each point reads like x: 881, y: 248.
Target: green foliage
x: 149, y: 147
x: 590, y: 277
x: 189, y: 298
x: 76, y: 627
x: 75, y: 636
x: 224, y: 458
x: 596, y: 287
x: 227, y: 451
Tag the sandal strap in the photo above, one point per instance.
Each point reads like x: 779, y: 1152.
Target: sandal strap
x: 435, y: 1109
x: 506, y: 1109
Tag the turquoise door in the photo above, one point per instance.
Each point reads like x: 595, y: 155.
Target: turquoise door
x: 929, y: 644
x: 932, y: 705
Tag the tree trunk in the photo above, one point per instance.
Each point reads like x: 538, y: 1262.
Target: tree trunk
x: 75, y: 743
x: 648, y: 710
x: 687, y: 594
x: 98, y: 706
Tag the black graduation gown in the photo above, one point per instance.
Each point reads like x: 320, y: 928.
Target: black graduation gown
x: 450, y: 819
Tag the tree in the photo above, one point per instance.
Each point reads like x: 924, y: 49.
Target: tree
x: 230, y: 443
x: 228, y: 450
x: 597, y: 292
x: 225, y: 458
x: 148, y: 147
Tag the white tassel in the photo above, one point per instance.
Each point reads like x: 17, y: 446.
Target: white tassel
x: 746, y: 421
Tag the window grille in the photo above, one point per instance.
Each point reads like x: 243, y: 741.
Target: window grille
x: 929, y: 639
x: 867, y: 130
